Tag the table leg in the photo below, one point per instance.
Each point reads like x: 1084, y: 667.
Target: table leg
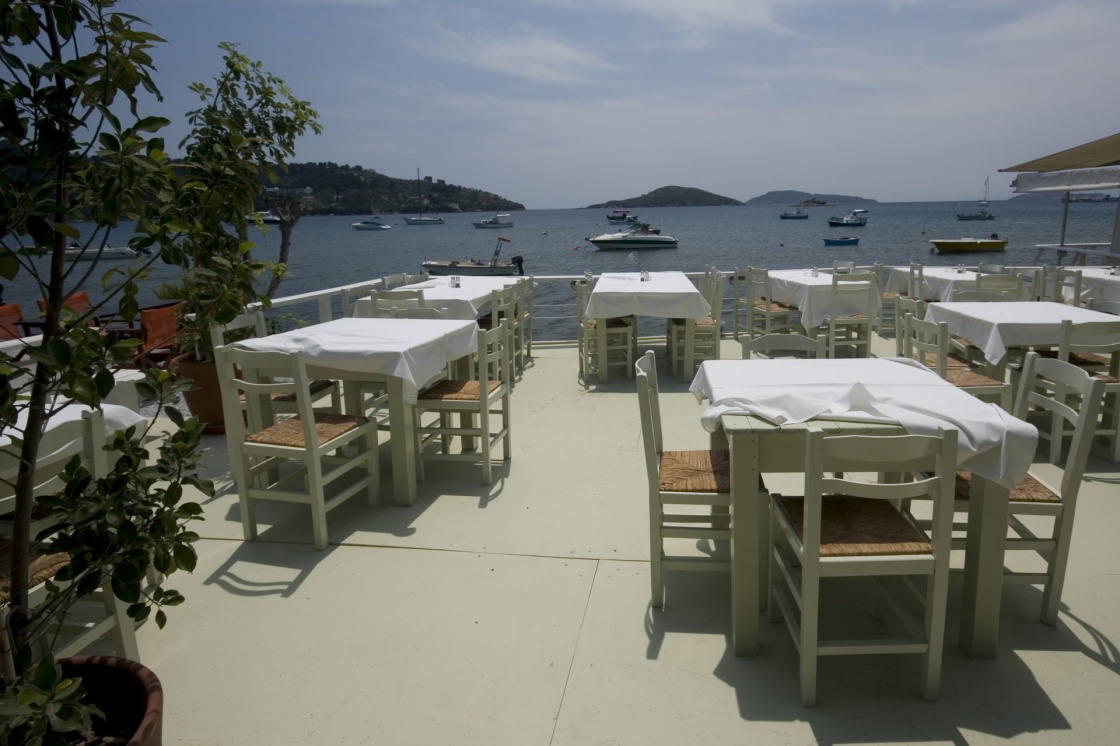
x: 748, y: 544
x: 402, y: 443
x: 983, y: 568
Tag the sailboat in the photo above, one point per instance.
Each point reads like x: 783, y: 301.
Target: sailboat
x: 422, y: 219
x: 982, y: 213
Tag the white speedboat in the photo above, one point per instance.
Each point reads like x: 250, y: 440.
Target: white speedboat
x: 855, y: 217
x: 106, y: 252
x: 423, y: 220
x: 633, y: 239
x: 266, y: 217
x: 494, y: 222
x: 373, y: 224
x: 476, y: 268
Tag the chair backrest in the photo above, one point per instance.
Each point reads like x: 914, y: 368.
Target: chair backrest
x: 990, y: 269
x: 417, y: 313
x: 714, y: 296
x: 1060, y: 284
x: 252, y: 319
x: 1071, y: 394
x: 910, y: 305
x: 1100, y: 337
x: 492, y: 361
x: 646, y: 381
x: 160, y: 325
x: 977, y: 296
x: 83, y: 436
x: 784, y: 345
x: 391, y: 282
x: 927, y: 342
x: 257, y: 377
x: 925, y: 464
x: 845, y: 285
x: 840, y: 266
x: 10, y: 315
x: 384, y: 300
x: 77, y: 304
x: 916, y: 286
x: 413, y: 279
x: 1105, y: 306
x: 1001, y: 284
x: 352, y: 294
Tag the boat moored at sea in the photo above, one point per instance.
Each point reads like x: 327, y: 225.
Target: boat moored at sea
x: 982, y: 213
x: 957, y: 245
x: 633, y: 239
x: 423, y: 220
x: 90, y: 254
x: 476, y: 268
x: 853, y: 218
x: 842, y: 241
x: 373, y: 224
x: 621, y: 216
x: 498, y: 221
x: 797, y: 214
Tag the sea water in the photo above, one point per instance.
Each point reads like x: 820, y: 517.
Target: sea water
x: 327, y: 252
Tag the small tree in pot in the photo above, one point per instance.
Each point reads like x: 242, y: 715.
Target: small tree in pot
x: 69, y: 72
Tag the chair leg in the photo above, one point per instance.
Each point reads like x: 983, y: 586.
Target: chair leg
x: 810, y: 602
x: 374, y: 469
x: 124, y: 631
x: 1056, y: 569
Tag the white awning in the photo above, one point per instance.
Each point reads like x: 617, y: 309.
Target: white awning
x: 1087, y: 179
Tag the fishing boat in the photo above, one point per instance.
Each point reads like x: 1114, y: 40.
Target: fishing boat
x: 373, y: 224
x: 843, y: 241
x: 633, y: 239
x: 494, y: 222
x: 855, y: 218
x: 957, y: 245
x: 982, y: 213
x: 422, y: 219
x: 797, y: 214
x: 475, y: 268
x: 621, y: 216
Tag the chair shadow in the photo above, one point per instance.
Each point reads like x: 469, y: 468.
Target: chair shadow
x: 256, y: 568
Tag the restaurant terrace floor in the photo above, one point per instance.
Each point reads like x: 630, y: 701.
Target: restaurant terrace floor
x: 520, y: 614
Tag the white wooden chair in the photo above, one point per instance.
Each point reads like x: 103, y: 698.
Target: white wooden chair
x: 480, y: 401
x: 417, y: 313
x: 990, y: 269
x: 784, y: 345
x: 845, y: 526
x: 94, y: 616
x: 692, y: 341
x: 392, y: 282
x: 763, y: 314
x: 382, y: 302
x: 844, y: 328
x: 1011, y: 287
x: 1094, y: 347
x: 841, y: 266
x: 689, y: 494
x: 928, y: 343
x: 1061, y: 285
x: 501, y: 313
x: 621, y: 337
x: 299, y: 459
x: 1059, y: 390
x: 251, y: 323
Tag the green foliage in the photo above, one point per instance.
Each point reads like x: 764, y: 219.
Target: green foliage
x: 42, y: 706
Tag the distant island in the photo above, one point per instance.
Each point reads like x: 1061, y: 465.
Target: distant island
x: 333, y: 189
x: 671, y: 196
x: 806, y: 199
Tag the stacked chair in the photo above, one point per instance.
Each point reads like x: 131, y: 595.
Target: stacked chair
x: 691, y: 341
x: 621, y: 337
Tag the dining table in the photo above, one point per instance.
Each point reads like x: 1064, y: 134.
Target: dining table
x: 938, y: 283
x: 1099, y: 283
x: 666, y: 295
x: 810, y: 291
x: 403, y: 354
x: 465, y: 300
x: 999, y: 326
x: 761, y: 411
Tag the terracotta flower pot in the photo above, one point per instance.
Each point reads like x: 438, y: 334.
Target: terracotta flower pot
x: 205, y: 401
x: 128, y: 693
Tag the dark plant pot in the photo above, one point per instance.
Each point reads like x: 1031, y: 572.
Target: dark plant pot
x: 205, y: 401
x: 129, y: 694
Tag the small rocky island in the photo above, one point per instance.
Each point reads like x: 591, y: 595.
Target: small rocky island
x: 806, y: 199
x: 671, y: 196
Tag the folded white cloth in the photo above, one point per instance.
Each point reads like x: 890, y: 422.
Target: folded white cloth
x: 992, y: 443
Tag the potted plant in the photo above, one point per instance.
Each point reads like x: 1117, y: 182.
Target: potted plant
x: 74, y: 147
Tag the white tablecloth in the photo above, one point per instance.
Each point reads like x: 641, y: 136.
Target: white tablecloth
x: 414, y: 350
x: 992, y: 443
x: 813, y: 295
x: 1098, y: 283
x: 114, y: 416
x: 938, y: 283
x: 995, y: 327
x: 667, y: 295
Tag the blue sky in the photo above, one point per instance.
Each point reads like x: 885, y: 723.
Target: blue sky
x: 564, y: 103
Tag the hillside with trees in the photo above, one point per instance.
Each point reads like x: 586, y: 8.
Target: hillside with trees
x: 671, y: 196
x: 333, y: 189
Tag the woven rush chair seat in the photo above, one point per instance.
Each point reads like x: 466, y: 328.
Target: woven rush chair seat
x: 695, y: 471
x: 1080, y: 359
x: 1028, y: 490
x: 43, y: 567
x: 965, y: 378
x: 450, y: 390
x: 852, y: 526
x: 952, y: 360
x: 315, y: 386
x: 289, y: 432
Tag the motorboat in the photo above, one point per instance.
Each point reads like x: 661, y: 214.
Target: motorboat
x: 89, y: 254
x: 633, y: 239
x: 843, y: 241
x: 982, y: 213
x: 797, y: 214
x: 621, y: 216
x: 494, y: 222
x: 476, y: 268
x: 267, y: 217
x: 957, y: 245
x: 423, y: 220
x: 855, y: 217
x: 373, y: 224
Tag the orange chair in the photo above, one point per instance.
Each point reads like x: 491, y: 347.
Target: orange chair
x: 10, y: 316
x: 159, y: 325
x: 78, y: 302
